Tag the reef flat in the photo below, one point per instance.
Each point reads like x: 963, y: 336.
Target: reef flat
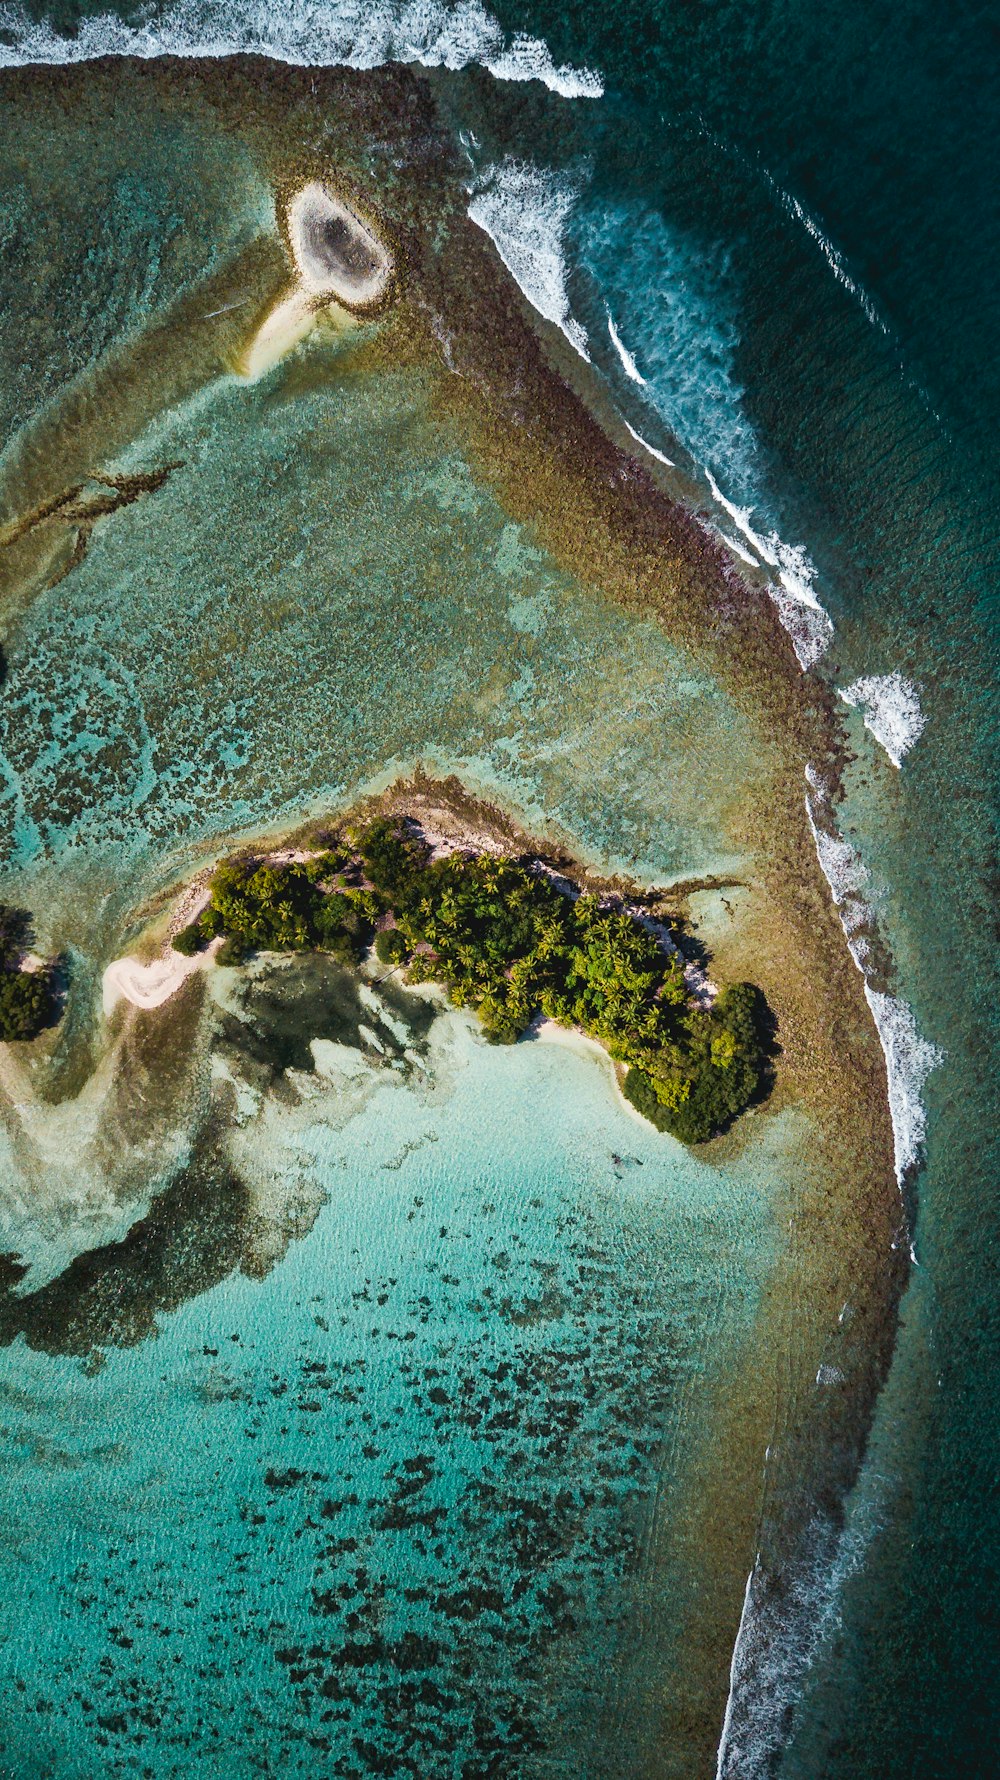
x: 417, y: 539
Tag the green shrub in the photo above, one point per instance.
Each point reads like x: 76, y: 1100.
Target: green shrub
x: 26, y: 1003
x: 390, y: 946
x: 210, y: 922
x: 505, y: 941
x: 392, y: 859
x: 15, y: 935
x: 720, y: 1070
x: 232, y: 950
x: 189, y: 940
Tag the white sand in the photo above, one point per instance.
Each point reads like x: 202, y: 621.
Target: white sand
x: 150, y: 985
x: 336, y: 254
x: 286, y: 325
x: 341, y: 266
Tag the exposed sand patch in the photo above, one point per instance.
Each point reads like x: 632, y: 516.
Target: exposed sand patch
x: 336, y: 254
x: 286, y: 325
x: 150, y: 985
x: 342, y: 269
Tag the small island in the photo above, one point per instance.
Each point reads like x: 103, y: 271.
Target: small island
x: 336, y: 253
x: 514, y: 941
x: 27, y: 996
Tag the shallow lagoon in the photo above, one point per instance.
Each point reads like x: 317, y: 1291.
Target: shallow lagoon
x: 320, y: 594
x: 407, y: 1488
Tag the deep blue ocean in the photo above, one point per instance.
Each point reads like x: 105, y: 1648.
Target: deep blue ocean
x: 779, y: 229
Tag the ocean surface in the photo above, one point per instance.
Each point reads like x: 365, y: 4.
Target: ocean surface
x: 371, y: 1431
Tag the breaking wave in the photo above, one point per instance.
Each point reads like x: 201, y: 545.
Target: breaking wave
x: 786, y: 1622
x: 305, y: 33
x: 672, y: 306
x: 891, y: 707
x: 808, y: 625
x: 660, y: 456
x: 631, y: 368
x: 523, y: 209
x: 669, y: 301
x: 789, y: 1616
x: 909, y: 1058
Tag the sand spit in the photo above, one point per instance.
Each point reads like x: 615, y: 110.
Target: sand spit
x: 342, y: 269
x: 150, y: 985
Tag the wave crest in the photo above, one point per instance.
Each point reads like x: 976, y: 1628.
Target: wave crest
x: 909, y: 1058
x: 304, y: 33
x: 891, y: 707
x: 807, y: 623
x: 523, y: 209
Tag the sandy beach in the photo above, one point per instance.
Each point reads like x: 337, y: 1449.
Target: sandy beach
x: 342, y: 269
x: 150, y: 985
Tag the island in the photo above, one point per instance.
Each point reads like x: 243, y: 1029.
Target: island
x: 342, y: 270
x: 515, y: 941
x: 27, y: 995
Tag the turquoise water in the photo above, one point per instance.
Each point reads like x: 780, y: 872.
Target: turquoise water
x: 384, y: 1509
x: 478, y: 1524
x: 787, y: 215
x: 307, y: 660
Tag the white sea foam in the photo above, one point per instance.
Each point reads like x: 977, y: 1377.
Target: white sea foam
x: 646, y: 446
x: 891, y: 707
x: 785, y: 1624
x: 792, y: 591
x: 673, y: 300
x: 678, y: 305
x: 306, y: 33
x: 909, y: 1058
x: 523, y: 209
x: 734, y: 1672
x: 833, y: 258
x: 736, y: 547
x: 631, y: 368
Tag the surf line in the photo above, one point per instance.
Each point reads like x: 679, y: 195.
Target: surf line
x: 909, y: 1057
x: 807, y: 622
x: 891, y: 707
x: 646, y: 446
x: 336, y: 35
x: 735, y: 1666
x: 523, y: 209
x: 631, y: 368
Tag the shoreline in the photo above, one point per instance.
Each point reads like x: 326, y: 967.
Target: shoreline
x: 571, y: 1038
x: 450, y: 819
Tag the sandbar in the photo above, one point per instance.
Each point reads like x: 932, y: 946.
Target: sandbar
x: 150, y: 985
x: 336, y: 254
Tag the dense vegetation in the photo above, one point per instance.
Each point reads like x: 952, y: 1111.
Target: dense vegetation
x: 26, y: 998
x: 505, y: 940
